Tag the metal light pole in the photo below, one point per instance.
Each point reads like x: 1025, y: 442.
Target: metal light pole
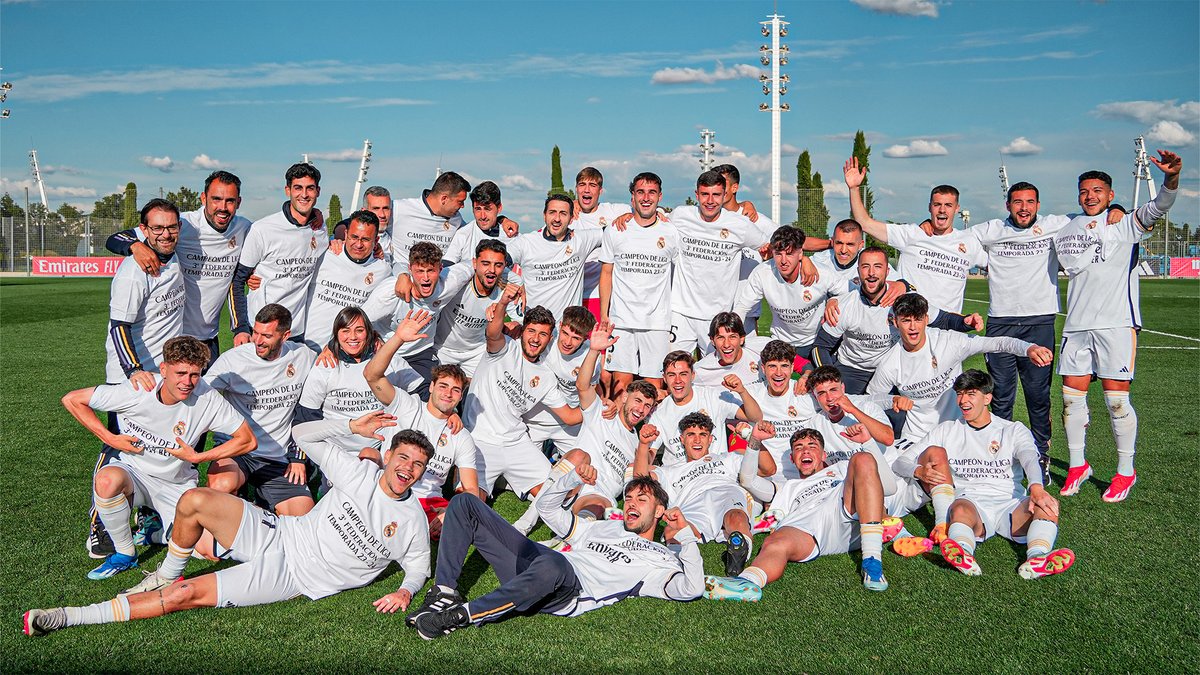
x: 28, y: 253
x: 362, y: 174
x: 1003, y: 181
x: 706, y: 149
x: 775, y: 86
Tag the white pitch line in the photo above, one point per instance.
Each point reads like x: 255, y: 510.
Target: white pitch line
x: 1175, y: 348
x: 1144, y: 330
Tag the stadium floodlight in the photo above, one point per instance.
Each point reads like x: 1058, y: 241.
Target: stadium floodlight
x: 766, y: 60
x: 764, y: 48
x: 773, y: 85
x: 766, y: 32
x: 761, y: 106
x: 5, y: 113
x: 783, y: 60
x: 763, y: 77
x: 766, y: 90
x: 783, y: 32
x: 782, y: 91
x: 785, y: 78
x: 785, y: 107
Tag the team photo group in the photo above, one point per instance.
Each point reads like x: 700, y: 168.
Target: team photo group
x: 648, y: 378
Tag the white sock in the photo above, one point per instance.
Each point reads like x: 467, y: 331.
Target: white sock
x: 965, y: 536
x: 114, y: 513
x: 872, y: 540
x: 109, y: 611
x: 1039, y: 540
x: 943, y: 497
x: 755, y: 575
x: 529, y: 519
x: 1075, y: 422
x: 176, y: 561
x: 1124, y: 428
x: 585, y: 514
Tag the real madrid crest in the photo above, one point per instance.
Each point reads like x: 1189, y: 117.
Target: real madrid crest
x: 1091, y: 225
x: 568, y: 249
x: 807, y: 295
x: 446, y: 225
x: 233, y: 241
x: 962, y: 248
x: 933, y: 361
x: 389, y: 529
x: 994, y: 446
x: 1037, y: 229
x: 724, y: 233
x: 754, y: 366
x: 179, y: 428
x: 534, y: 381
x: 603, y: 221
x: 313, y: 243
x: 662, y: 243
x: 370, y: 278
x: 291, y: 370
x: 575, y: 373
x: 442, y: 440
x: 791, y: 411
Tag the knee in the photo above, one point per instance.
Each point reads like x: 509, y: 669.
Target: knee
x: 578, y: 457
x: 180, y: 595
x: 463, y: 501
x: 862, y: 462
x: 192, y: 502
x: 225, y: 481
x: 934, y: 454
x: 961, y: 510
x: 109, y: 482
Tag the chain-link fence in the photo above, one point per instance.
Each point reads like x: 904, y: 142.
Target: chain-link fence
x: 21, y: 239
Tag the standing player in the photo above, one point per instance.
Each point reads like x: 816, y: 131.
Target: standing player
x: 1103, y: 318
x: 432, y: 217
x: 782, y: 407
x: 345, y: 279
x: 635, y: 287
x: 282, y: 249
x: 488, y: 224
x: 369, y: 520
x: 683, y: 397
x: 564, y: 359
x: 863, y: 333
x: 153, y: 438
x: 593, y: 214
x: 462, y: 324
x: 730, y: 355
x: 551, y: 259
x: 378, y: 200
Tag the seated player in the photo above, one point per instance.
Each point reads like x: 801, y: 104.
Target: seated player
x: 720, y: 404
x: 369, y: 519
x: 608, y: 560
x: 837, y: 412
x: 705, y: 488
x: 157, y: 431
x: 989, y: 458
x: 829, y: 510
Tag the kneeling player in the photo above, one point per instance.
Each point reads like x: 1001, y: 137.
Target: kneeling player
x: 608, y: 560
x: 989, y: 456
x: 369, y: 518
x: 828, y: 510
x: 705, y: 487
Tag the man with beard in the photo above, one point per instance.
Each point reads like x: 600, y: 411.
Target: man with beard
x: 345, y: 279
x: 551, y: 259
x: 432, y: 217
x: 461, y: 331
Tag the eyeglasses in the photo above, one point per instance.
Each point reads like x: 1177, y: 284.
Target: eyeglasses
x: 159, y: 229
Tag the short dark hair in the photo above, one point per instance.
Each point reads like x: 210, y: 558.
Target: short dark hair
x: 377, y: 191
x: 559, y: 197
x: 538, y: 315
x: 424, y: 253
x: 590, y: 172
x: 365, y: 217
x: 643, y: 387
x: 275, y: 312
x: 486, y: 193
x: 301, y: 170
x: 343, y: 319
x: 849, y: 226
x: 579, y: 319
x: 806, y: 433
x: 777, y: 350
x: 1096, y: 175
x: 494, y: 245
x: 647, y: 484
x: 974, y: 379
x: 944, y: 190
x: 414, y: 438
x: 729, y: 320
x: 647, y: 176
x: 910, y: 305
x: 1018, y: 187
x: 186, y: 349
x: 695, y: 419
x: 787, y: 238
x: 823, y: 374
x: 451, y: 370
x: 222, y: 176
x: 729, y: 170
x: 677, y: 356
x: 710, y: 178
x: 157, y: 204
x: 873, y: 249
x: 450, y: 183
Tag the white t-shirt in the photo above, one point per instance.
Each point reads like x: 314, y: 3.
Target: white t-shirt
x: 686, y: 481
x: 937, y: 267
x: 1101, y: 261
x: 552, y: 270
x: 600, y: 218
x: 799, y: 497
x: 719, y: 404
x: 788, y: 413
x: 796, y: 308
x: 711, y: 373
x: 285, y: 256
x: 611, y: 446
x: 992, y: 461
x: 504, y: 388
x: 1021, y: 258
x: 386, y: 311
x: 264, y: 392
x: 466, y: 238
x: 154, y: 308
x: 342, y: 393
x: 865, y: 331
x: 338, y: 283
x: 705, y: 280
x: 462, y: 324
x: 413, y: 222
x: 838, y: 448
x: 450, y: 449
x: 829, y: 269
x: 641, y: 278
x: 208, y: 259
x: 156, y: 426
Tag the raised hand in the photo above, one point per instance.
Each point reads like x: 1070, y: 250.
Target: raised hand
x: 733, y: 383
x: 857, y: 433
x: 648, y: 434
x: 372, y: 422
x: 763, y: 431
x: 409, y: 329
x: 602, y: 336
x: 853, y: 174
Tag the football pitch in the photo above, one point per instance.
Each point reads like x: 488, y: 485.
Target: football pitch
x: 1129, y: 603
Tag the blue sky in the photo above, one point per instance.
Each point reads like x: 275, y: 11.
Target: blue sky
x: 161, y: 93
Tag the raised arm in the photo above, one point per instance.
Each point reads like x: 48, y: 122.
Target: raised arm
x: 750, y: 411
x: 855, y: 176
x: 600, y: 340
x: 77, y: 403
x: 495, y: 319
x: 375, y: 372
x: 1156, y: 208
x: 750, y: 476
x: 644, y: 457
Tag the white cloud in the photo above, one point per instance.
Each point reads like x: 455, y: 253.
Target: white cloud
x: 68, y: 191
x: 918, y: 148
x: 16, y: 187
x: 1167, y: 132
x: 516, y: 182
x: 1192, y: 194
x: 789, y: 149
x: 593, y: 99
x: 48, y: 169
x: 348, y: 155
x: 1149, y: 112
x: 1020, y: 146
x: 203, y: 161
x: 901, y: 7
x: 164, y: 164
x: 702, y: 76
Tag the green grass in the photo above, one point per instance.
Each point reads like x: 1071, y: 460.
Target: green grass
x: 1130, y: 603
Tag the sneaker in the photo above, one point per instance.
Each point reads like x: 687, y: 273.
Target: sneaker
x: 766, y: 523
x: 1044, y: 463
x: 939, y: 533
x: 1055, y: 562
x: 873, y: 579
x: 892, y: 527
x: 911, y: 547
x: 99, y: 544
x: 436, y: 624
x: 736, y: 554
x: 113, y: 564
x: 959, y: 559
x: 37, y: 622
x: 731, y: 588
x: 1076, y: 475
x: 437, y: 599
x: 149, y: 523
x: 150, y: 582
x: 1119, y: 488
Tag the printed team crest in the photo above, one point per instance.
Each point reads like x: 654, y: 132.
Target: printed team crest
x: 233, y: 241
x: 607, y: 361
x: 994, y: 446
x: 754, y: 366
x: 724, y: 233
x: 1037, y: 229
x: 442, y: 440
x: 436, y: 303
x: 830, y: 474
x: 1091, y: 225
x: 291, y: 370
x: 662, y: 242
x: 962, y: 248
x: 534, y: 382
x: 575, y: 373
x: 933, y: 361
x: 313, y: 243
x: 370, y: 279
x: 568, y: 250
x: 179, y: 428
x: 705, y: 412
x: 389, y: 529
x: 446, y: 225
x: 857, y: 281
x: 807, y: 295
x: 603, y: 221
x: 791, y: 411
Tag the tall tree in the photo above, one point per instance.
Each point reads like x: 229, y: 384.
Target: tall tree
x: 68, y: 212
x: 862, y: 152
x: 556, y: 177
x: 334, y: 216
x: 111, y: 207
x: 130, y: 206
x: 186, y: 199
x: 811, y: 214
x: 9, y: 207
x: 821, y: 211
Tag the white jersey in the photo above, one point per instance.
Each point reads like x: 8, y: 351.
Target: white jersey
x: 462, y: 326
x: 936, y: 266
x: 788, y: 413
x: 865, y: 332
x: 719, y: 404
x: 356, y: 530
x: 800, y: 497
x: 609, y: 443
x: 689, y: 480
x: 342, y: 393
x: 156, y: 426
x: 264, y: 392
x: 1021, y: 258
x: 710, y: 372
x: 505, y: 387
x: 641, y: 277
x: 338, y: 283
x: 565, y: 368
x: 284, y: 255
x: 208, y: 258
x: 1101, y: 261
x: 846, y: 278
x: 386, y: 311
x: 466, y: 238
x: 705, y: 280
x: 927, y: 375
x: 991, y: 461
x: 154, y: 309
x: 552, y: 270
x: 838, y: 448
x: 796, y: 308
x: 413, y: 222
x: 450, y: 449
x: 600, y: 218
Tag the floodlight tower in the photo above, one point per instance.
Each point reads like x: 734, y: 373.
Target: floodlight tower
x: 37, y: 177
x: 706, y: 149
x: 775, y: 86
x: 1003, y: 181
x: 1141, y: 171
x: 362, y: 174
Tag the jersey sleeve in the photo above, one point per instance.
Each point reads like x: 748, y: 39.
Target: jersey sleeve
x: 466, y: 454
x: 338, y: 466
x: 416, y: 560
x: 252, y: 250
x: 750, y: 293
x: 114, y: 398
x: 381, y: 304
x: 316, y: 387
x: 687, y: 583
x: 607, y: 245
x: 456, y: 251
x: 127, y: 296
x: 899, y: 235
x: 225, y: 418
x: 1026, y: 453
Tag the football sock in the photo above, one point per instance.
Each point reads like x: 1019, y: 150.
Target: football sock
x: 108, y: 611
x: 176, y: 561
x: 872, y: 540
x: 529, y: 519
x: 1075, y: 421
x: 943, y: 496
x: 114, y: 513
x: 755, y: 575
x: 965, y: 536
x: 1039, y: 540
x: 1124, y: 428
x: 585, y: 514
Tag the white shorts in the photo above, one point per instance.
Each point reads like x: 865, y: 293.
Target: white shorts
x: 688, y: 333
x: 468, y: 361
x: 909, y: 497
x: 522, y: 464
x: 565, y: 439
x: 263, y: 576
x: 995, y: 512
x: 834, y: 530
x: 1107, y: 353
x: 160, y: 495
x: 640, y: 352
x: 706, y: 511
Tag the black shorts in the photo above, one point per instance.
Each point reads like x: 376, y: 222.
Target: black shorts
x: 267, y: 478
